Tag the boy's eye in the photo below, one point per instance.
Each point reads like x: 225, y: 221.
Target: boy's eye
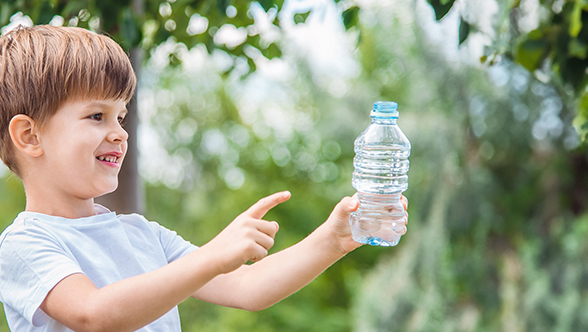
x: 121, y: 120
x: 97, y: 116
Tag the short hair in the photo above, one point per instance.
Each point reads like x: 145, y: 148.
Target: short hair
x: 44, y: 66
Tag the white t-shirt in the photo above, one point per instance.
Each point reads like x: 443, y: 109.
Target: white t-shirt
x: 37, y: 251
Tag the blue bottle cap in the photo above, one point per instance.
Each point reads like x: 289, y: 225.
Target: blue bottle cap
x: 385, y: 109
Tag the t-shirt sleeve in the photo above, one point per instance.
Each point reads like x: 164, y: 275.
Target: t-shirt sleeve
x: 173, y: 245
x: 32, y: 262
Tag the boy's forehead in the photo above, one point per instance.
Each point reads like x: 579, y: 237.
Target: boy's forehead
x: 118, y: 105
x: 92, y: 104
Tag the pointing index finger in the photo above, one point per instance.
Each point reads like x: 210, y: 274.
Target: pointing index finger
x: 259, y: 209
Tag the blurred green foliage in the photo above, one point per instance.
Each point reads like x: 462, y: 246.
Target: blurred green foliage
x: 148, y: 23
x: 12, y: 201
x: 494, y: 244
x: 498, y: 178
x: 547, y: 37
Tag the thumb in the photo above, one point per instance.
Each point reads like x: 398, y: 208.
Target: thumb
x: 346, y: 206
x: 277, y: 225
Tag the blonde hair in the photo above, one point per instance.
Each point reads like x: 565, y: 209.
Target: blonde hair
x: 44, y: 66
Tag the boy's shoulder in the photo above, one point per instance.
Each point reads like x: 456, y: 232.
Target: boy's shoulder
x: 18, y: 226
x: 32, y: 224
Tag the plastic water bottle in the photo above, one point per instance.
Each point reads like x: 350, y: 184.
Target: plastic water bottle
x: 381, y: 164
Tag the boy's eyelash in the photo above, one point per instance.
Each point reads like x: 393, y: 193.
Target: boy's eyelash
x: 99, y: 116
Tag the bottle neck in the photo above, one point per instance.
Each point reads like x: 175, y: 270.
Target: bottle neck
x: 384, y: 120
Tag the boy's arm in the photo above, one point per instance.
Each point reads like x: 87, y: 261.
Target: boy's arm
x: 260, y: 285
x: 132, y: 303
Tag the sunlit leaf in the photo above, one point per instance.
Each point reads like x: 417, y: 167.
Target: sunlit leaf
x: 576, y: 19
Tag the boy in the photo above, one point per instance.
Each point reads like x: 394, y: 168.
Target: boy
x: 68, y: 264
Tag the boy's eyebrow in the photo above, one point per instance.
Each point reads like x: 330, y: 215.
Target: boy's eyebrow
x: 98, y: 104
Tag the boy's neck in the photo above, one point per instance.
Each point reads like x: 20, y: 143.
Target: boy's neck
x: 58, y: 205
x: 65, y: 211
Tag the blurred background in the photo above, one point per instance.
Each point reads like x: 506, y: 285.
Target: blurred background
x: 239, y: 99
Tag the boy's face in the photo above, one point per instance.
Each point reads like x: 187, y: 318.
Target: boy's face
x: 83, y: 147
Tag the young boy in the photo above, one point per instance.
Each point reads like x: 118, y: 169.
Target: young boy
x: 68, y: 264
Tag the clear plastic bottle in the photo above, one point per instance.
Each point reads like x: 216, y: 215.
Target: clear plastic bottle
x: 381, y: 164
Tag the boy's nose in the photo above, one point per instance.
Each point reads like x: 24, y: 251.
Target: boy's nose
x: 118, y: 135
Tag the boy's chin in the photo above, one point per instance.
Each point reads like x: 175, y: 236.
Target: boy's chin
x: 109, y: 190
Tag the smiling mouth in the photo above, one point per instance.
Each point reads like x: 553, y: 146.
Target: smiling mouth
x: 110, y: 159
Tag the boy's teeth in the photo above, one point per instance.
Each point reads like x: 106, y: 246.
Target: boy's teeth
x: 109, y: 159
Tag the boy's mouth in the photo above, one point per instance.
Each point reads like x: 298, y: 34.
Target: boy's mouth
x: 113, y: 158
x: 110, y: 159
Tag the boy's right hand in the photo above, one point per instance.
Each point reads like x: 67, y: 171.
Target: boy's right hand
x: 248, y: 237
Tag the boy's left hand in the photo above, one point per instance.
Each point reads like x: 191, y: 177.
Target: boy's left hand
x: 339, y: 222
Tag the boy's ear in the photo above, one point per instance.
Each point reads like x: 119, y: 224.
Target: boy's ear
x: 23, y: 133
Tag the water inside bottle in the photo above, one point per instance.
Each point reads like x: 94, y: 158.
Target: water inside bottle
x: 381, y: 169
x: 379, y: 220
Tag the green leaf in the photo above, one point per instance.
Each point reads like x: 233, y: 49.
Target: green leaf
x: 581, y: 120
x: 573, y: 71
x: 222, y: 6
x: 464, y: 30
x: 441, y: 7
x: 44, y: 13
x: 576, y: 19
x: 577, y: 49
x: 266, y: 4
x: 531, y: 52
x: 272, y: 51
x: 301, y: 17
x: 73, y: 8
x: 350, y: 16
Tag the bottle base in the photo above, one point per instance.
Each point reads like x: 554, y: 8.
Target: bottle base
x: 376, y: 241
x: 379, y: 221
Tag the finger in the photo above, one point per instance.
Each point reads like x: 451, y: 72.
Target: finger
x: 406, y: 218
x: 404, y: 202
x: 259, y: 209
x: 353, y: 204
x: 270, y: 228
x: 277, y: 226
x: 265, y: 241
x: 345, y: 207
x: 260, y: 254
